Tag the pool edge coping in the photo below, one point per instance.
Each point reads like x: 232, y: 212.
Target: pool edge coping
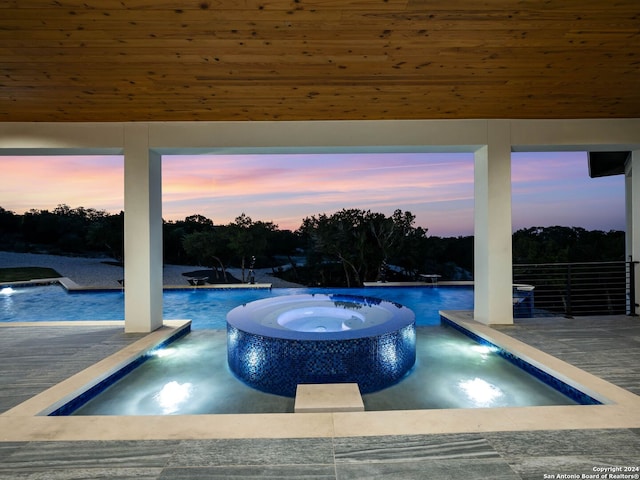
x: 73, y: 287
x: 23, y: 422
x: 75, y: 385
x: 592, y: 385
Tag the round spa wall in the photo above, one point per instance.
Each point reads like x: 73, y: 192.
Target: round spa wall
x: 277, y: 343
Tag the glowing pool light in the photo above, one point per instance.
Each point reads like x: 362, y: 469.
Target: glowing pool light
x: 480, y: 392
x: 483, y: 349
x: 7, y: 291
x: 172, y: 396
x: 163, y: 352
x: 275, y: 344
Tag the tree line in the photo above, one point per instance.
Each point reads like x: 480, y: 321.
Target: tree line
x: 346, y: 248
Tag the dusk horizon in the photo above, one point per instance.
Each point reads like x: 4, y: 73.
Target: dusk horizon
x: 548, y: 189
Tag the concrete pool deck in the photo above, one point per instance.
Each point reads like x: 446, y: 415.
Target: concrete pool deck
x: 40, y: 356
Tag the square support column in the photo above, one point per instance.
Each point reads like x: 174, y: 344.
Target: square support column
x: 632, y: 207
x: 142, y: 232
x: 493, y: 277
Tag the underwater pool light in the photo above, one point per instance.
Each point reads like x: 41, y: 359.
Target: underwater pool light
x: 484, y: 349
x: 479, y: 391
x: 172, y: 395
x: 163, y: 352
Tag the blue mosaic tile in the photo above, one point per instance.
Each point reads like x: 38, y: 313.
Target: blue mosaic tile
x: 277, y: 365
x: 320, y: 346
x: 555, y: 383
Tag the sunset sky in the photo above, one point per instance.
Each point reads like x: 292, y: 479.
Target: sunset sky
x: 547, y: 188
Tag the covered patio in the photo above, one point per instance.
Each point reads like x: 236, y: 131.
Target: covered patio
x: 146, y: 79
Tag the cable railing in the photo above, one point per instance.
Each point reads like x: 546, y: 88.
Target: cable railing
x: 574, y: 289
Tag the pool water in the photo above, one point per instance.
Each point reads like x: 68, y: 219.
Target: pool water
x: 207, y: 308
x: 191, y: 376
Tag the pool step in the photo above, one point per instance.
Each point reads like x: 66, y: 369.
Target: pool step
x: 328, y: 397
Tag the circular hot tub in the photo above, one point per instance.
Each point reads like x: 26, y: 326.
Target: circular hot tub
x: 277, y: 343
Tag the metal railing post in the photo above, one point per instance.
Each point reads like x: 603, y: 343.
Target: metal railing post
x: 632, y: 288
x: 568, y: 303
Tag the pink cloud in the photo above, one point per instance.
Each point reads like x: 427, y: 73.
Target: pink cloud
x: 44, y: 182
x: 547, y: 188
x: 272, y: 186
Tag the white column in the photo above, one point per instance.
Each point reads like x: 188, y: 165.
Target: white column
x: 493, y: 284
x: 632, y: 203
x: 142, y: 231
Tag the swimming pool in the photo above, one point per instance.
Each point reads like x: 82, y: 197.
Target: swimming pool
x: 191, y: 377
x: 207, y: 308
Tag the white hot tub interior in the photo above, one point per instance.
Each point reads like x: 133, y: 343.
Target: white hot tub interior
x: 320, y: 319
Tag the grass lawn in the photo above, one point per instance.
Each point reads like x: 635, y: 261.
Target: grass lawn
x: 21, y: 274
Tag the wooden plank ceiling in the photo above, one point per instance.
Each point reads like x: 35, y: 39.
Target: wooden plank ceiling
x: 160, y: 60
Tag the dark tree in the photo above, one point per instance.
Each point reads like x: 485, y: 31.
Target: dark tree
x: 107, y: 234
x: 248, y: 239
x: 206, y: 247
x: 361, y: 241
x: 566, y: 244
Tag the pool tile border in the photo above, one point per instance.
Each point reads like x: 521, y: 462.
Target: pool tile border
x: 79, y: 384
